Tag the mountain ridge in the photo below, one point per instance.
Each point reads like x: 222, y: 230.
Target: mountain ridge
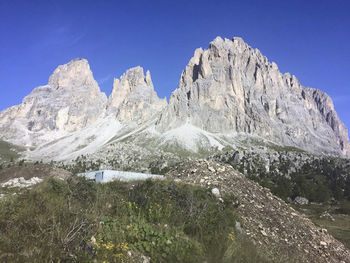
x: 226, y: 91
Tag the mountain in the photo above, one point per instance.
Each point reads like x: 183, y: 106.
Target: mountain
x: 70, y: 102
x: 133, y: 97
x: 232, y: 88
x: 229, y: 95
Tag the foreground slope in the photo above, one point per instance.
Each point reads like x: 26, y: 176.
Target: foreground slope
x: 275, y: 227
x: 76, y: 220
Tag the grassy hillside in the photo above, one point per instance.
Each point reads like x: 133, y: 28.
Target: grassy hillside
x: 81, y: 221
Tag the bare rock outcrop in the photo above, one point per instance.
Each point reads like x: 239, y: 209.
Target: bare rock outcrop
x: 232, y: 88
x: 133, y: 97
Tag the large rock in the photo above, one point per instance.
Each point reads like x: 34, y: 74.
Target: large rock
x: 133, y: 97
x: 301, y: 200
x: 232, y: 88
x: 70, y: 101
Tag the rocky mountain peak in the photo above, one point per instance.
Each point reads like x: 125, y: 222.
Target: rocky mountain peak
x: 133, y: 97
x: 75, y: 73
x: 70, y: 101
x: 227, y: 92
x: 131, y: 80
x: 231, y: 88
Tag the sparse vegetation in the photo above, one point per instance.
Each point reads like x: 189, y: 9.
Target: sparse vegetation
x: 9, y: 152
x: 80, y: 165
x: 317, y: 178
x: 81, y: 221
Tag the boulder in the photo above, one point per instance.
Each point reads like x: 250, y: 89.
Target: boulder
x: 301, y: 200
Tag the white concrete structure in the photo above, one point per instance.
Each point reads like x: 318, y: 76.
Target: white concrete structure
x: 104, y: 176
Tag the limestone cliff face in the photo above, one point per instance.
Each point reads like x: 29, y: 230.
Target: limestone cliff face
x: 133, y: 97
x: 233, y: 88
x: 228, y: 89
x: 70, y: 101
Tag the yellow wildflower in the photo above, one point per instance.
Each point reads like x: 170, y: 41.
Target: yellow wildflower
x: 108, y: 246
x: 231, y: 236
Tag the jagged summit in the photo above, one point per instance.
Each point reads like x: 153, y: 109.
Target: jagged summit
x: 131, y: 80
x: 232, y: 88
x: 70, y: 101
x: 133, y: 97
x: 220, y: 42
x: 75, y: 73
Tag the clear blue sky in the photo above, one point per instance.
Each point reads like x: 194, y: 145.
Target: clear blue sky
x: 310, y: 39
